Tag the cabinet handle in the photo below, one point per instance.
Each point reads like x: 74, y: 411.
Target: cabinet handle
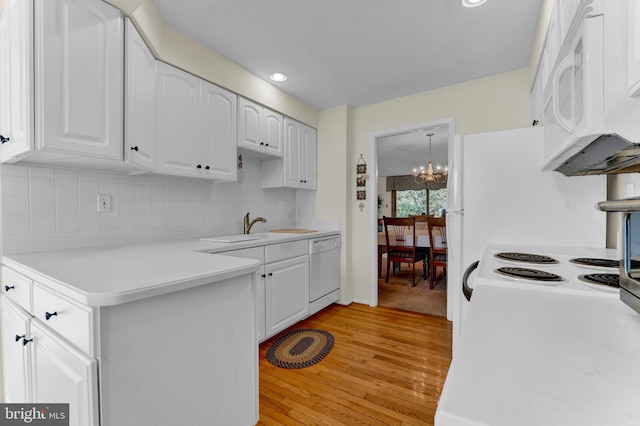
x: 19, y: 337
x: 134, y: 148
x: 264, y: 276
x: 7, y: 288
x: 199, y: 166
x: 270, y: 274
x: 207, y: 167
x: 48, y: 315
x: 3, y: 139
x: 25, y: 341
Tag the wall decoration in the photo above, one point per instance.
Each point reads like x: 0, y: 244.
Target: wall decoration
x: 361, y: 179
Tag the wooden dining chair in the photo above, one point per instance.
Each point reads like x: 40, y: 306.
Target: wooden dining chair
x: 421, y: 222
x: 438, y: 248
x: 401, y: 249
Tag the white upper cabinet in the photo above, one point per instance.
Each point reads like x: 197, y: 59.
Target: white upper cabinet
x: 219, y: 127
x: 633, y: 47
x: 79, y: 79
x: 16, y: 80
x: 259, y: 129
x: 309, y: 157
x: 140, y: 124
x: 177, y: 136
x: 298, y: 167
x: 61, y: 82
x: 196, y: 126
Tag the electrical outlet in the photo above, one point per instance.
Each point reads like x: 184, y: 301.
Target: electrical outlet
x: 282, y: 205
x: 104, y: 203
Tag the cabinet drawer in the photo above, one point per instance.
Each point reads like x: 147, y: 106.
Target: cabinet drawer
x: 276, y: 252
x: 74, y: 322
x: 17, y: 288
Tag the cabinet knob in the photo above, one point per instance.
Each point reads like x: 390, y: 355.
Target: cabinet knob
x: 9, y: 287
x: 19, y: 337
x: 270, y: 274
x: 207, y: 167
x: 134, y: 148
x: 199, y: 166
x: 48, y: 315
x: 3, y: 139
x: 25, y: 341
x: 264, y: 276
x: 261, y: 143
x: 266, y: 144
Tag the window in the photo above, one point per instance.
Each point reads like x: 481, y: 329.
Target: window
x: 410, y: 202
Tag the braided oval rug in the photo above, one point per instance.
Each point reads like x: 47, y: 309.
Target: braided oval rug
x: 300, y: 348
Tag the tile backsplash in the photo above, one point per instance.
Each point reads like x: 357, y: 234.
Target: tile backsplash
x: 45, y: 208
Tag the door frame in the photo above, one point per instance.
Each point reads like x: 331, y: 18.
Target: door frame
x: 373, y: 214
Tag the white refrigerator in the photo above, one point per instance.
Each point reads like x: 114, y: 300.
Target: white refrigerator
x: 498, y: 193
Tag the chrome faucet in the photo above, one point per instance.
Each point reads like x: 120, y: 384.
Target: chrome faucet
x: 248, y: 225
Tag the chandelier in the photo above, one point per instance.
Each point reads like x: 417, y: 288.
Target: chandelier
x: 428, y: 175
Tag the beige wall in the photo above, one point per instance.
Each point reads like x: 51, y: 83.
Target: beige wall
x: 496, y: 102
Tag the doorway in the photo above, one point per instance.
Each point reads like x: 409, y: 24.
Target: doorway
x: 396, y: 152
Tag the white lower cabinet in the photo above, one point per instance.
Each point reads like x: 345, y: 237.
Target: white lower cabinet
x: 282, y: 285
x: 170, y: 359
x: 286, y: 293
x: 63, y: 374
x: 16, y: 356
x: 39, y: 366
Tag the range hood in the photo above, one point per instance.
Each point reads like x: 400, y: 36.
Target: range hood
x: 608, y: 154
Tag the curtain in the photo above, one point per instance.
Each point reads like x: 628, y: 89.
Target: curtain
x: 403, y: 183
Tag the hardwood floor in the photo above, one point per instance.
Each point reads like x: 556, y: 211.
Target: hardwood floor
x: 387, y: 367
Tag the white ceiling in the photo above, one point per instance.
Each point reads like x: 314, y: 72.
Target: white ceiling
x: 358, y: 52
x: 399, y: 154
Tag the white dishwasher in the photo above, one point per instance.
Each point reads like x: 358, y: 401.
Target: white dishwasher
x: 324, y: 283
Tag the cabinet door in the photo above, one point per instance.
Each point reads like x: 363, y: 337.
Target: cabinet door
x: 79, y: 78
x: 261, y: 320
x: 272, y: 129
x: 308, y: 158
x: 219, y: 132
x: 140, y: 124
x: 293, y: 147
x: 15, y: 354
x: 61, y: 374
x: 249, y: 135
x: 178, y: 147
x: 16, y: 80
x: 287, y: 293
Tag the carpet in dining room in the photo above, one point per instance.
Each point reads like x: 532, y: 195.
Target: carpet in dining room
x: 398, y: 292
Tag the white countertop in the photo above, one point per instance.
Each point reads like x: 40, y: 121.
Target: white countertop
x: 530, y: 357
x: 103, y: 276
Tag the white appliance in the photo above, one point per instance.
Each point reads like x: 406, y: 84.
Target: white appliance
x: 586, y: 98
x: 324, y: 283
x: 563, y: 269
x: 498, y: 193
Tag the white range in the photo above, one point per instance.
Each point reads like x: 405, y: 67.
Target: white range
x: 544, y: 352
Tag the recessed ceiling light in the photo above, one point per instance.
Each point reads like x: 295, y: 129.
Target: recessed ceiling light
x: 278, y: 76
x: 473, y: 3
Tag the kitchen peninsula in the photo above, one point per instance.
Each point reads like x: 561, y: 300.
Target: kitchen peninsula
x: 159, y: 333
